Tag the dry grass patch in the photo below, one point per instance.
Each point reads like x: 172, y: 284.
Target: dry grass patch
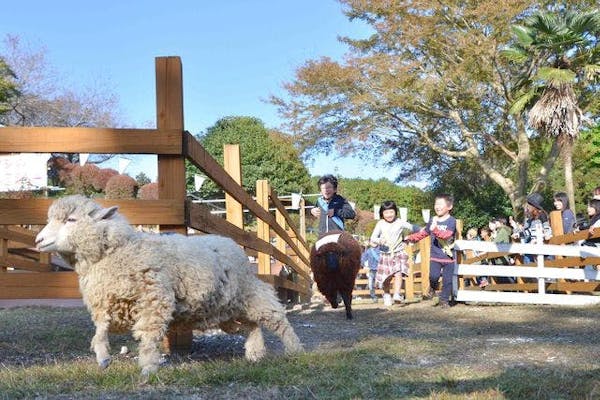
x: 418, y: 352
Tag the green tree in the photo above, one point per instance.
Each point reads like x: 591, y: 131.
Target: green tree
x: 8, y: 88
x: 44, y: 98
x: 264, y: 155
x: 367, y: 192
x: 428, y: 85
x: 586, y: 168
x: 560, y: 59
x: 142, y: 179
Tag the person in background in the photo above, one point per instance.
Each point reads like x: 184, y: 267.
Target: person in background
x: 485, y: 234
x: 442, y: 229
x: 596, y: 193
x: 502, y: 231
x: 593, y: 210
x: 561, y: 203
x: 536, y: 223
x: 332, y: 209
x: 472, y: 234
x: 389, y: 234
x: 502, y: 234
x: 370, y: 260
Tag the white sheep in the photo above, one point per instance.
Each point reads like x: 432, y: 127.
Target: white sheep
x: 146, y: 282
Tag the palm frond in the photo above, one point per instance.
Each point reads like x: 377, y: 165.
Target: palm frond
x: 514, y: 54
x: 555, y: 76
x: 584, y: 22
x: 523, y: 35
x: 591, y: 71
x: 556, y: 113
x: 522, y: 101
x: 545, y: 23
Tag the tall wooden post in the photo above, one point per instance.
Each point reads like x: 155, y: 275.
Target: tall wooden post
x: 302, y: 218
x: 459, y: 229
x: 232, y: 164
x: 409, y: 281
x: 281, y: 245
x: 3, y: 252
x: 171, y: 168
x: 425, y: 251
x: 262, y: 229
x: 556, y: 225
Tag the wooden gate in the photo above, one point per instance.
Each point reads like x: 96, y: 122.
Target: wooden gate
x: 24, y: 273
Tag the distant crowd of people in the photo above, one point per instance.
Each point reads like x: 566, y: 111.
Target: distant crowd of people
x: 385, y: 256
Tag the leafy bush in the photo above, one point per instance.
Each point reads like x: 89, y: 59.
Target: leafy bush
x: 120, y: 187
x: 80, y: 179
x: 102, y: 178
x: 17, y: 194
x: 148, y: 191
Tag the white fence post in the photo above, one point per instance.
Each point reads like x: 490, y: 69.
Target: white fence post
x: 539, y: 238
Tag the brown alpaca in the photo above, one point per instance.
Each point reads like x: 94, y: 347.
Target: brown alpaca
x: 335, y: 265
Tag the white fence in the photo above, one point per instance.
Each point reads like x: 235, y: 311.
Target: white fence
x: 539, y: 272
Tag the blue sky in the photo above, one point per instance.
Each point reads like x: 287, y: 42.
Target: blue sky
x: 235, y: 53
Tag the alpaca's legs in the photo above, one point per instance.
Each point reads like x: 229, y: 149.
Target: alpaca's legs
x: 347, y: 297
x: 264, y: 309
x: 255, y: 344
x: 100, y: 344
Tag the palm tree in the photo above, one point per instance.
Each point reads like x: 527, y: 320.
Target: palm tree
x: 559, y: 58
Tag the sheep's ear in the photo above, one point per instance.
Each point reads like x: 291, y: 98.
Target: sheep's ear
x: 104, y: 213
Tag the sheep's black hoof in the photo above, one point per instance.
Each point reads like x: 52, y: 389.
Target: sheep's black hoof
x: 334, y: 304
x: 349, y: 315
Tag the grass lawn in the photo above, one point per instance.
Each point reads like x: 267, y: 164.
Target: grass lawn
x: 413, y: 352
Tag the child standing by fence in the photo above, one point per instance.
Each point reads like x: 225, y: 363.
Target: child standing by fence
x: 442, y: 229
x: 390, y: 233
x: 370, y: 260
x: 561, y: 203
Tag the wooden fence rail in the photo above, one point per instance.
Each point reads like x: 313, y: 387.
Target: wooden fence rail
x: 172, y: 212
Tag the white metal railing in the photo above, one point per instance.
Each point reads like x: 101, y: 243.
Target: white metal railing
x: 539, y: 272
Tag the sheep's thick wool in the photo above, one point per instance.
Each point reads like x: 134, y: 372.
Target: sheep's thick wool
x: 146, y: 282
x: 335, y: 261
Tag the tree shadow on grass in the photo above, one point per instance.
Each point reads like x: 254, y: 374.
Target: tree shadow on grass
x: 523, y: 382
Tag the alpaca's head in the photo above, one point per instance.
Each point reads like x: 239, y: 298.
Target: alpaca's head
x: 77, y: 224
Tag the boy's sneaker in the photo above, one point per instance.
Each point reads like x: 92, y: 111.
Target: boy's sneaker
x: 387, y: 299
x: 429, y: 295
x: 444, y: 304
x: 398, y: 298
x: 374, y: 299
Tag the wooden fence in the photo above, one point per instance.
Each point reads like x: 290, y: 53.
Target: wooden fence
x: 34, y: 275
x: 563, y: 272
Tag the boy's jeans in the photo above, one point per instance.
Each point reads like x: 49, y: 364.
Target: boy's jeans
x: 446, y: 271
x: 371, y: 275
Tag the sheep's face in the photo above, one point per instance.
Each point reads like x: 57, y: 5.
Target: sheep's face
x: 69, y: 219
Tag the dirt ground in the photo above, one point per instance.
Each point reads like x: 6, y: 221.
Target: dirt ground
x: 468, y: 333
x: 531, y: 333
